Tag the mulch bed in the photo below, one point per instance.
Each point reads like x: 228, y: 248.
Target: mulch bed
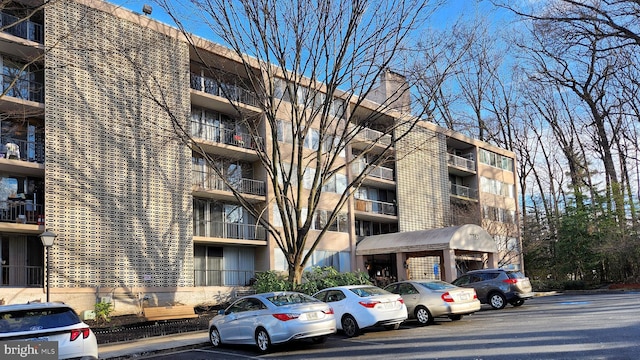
x: 133, y: 327
x: 624, y: 286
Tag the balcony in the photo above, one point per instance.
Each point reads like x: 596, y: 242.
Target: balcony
x: 21, y: 88
x: 224, y: 230
x: 223, y: 277
x: 23, y: 29
x: 376, y: 207
x: 464, y: 192
x: 225, y: 90
x: 32, y: 151
x: 224, y: 136
x: 31, y: 276
x: 202, y: 180
x: 21, y: 212
x: 467, y: 165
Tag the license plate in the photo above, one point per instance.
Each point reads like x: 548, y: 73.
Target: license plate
x: 42, y: 338
x: 389, y: 305
x: 464, y: 297
x: 312, y: 316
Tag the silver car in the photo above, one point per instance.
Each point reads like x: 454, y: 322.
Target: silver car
x: 49, y: 322
x: 272, y: 318
x: 428, y: 299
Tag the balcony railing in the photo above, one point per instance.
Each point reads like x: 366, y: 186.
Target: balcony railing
x: 379, y: 172
x: 21, y: 212
x: 22, y: 150
x: 375, y: 136
x: 225, y: 136
x: 245, y: 186
x: 22, y: 88
x: 24, y: 29
x: 229, y: 91
x: 223, y: 277
x: 463, y: 191
x: 12, y: 275
x: 225, y: 230
x: 377, y: 207
x: 459, y: 161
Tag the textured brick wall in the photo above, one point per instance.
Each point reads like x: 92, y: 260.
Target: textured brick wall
x: 118, y: 188
x: 423, y: 178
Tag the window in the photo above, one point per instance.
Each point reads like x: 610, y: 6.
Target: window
x: 497, y: 187
x: 496, y: 160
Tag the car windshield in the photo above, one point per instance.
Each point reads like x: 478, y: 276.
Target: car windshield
x: 36, y: 319
x: 369, y: 291
x: 290, y: 298
x: 436, y: 285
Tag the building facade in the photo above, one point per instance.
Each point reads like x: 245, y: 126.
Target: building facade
x: 91, y: 154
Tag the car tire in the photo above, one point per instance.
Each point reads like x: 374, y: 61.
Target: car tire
x: 320, y: 339
x: 262, y: 340
x: 392, y: 326
x: 455, y: 317
x: 214, y: 337
x: 497, y: 300
x: 423, y: 315
x: 517, y: 303
x: 350, y: 326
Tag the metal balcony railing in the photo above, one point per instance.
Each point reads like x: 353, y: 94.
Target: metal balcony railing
x: 375, y: 136
x: 225, y: 136
x: 229, y: 91
x: 463, y: 191
x: 377, y: 207
x: 13, y: 275
x: 223, y: 277
x: 24, y: 29
x: 22, y: 88
x: 246, y: 186
x: 379, y: 172
x: 22, y: 150
x: 21, y: 212
x: 461, y: 162
x: 225, y: 230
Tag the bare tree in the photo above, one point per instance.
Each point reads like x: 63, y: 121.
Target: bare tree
x: 315, y: 70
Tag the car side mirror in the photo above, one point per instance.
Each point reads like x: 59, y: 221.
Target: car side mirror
x: 220, y: 312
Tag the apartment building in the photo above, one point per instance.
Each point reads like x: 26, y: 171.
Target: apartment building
x: 90, y: 154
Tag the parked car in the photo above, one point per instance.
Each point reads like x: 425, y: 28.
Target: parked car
x: 428, y: 299
x: 496, y: 287
x: 272, y: 318
x: 49, y: 322
x: 361, y: 306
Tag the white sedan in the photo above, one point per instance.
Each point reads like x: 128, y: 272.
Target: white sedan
x: 360, y: 306
x: 48, y: 327
x: 272, y: 318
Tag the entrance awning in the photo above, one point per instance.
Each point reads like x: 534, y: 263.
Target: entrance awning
x: 466, y: 237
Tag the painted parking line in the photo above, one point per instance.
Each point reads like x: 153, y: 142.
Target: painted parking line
x: 239, y: 356
x: 575, y: 303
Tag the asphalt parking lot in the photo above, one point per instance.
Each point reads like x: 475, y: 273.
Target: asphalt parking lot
x: 593, y: 326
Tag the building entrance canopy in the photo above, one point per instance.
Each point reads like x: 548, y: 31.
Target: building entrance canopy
x: 446, y: 242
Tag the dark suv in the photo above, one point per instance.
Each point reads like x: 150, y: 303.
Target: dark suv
x: 496, y: 287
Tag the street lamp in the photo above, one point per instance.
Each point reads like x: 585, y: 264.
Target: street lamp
x: 47, y: 239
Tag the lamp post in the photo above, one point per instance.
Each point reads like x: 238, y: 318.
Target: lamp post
x: 47, y: 239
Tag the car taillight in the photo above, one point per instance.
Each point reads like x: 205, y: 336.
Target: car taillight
x: 401, y: 300
x: 328, y: 312
x: 475, y: 296
x: 447, y: 297
x: 75, y: 333
x: 369, y: 304
x: 286, y: 317
x: 510, y: 281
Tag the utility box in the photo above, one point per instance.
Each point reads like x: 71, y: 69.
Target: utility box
x: 88, y: 315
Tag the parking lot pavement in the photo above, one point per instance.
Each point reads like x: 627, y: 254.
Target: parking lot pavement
x: 153, y: 345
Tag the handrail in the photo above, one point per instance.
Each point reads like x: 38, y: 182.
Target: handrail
x: 461, y: 162
x: 464, y: 191
x: 229, y: 91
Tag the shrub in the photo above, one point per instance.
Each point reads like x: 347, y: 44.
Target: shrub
x: 314, y: 280
x: 268, y: 281
x: 103, y: 311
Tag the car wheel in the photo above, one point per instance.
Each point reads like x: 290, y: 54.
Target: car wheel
x: 320, y: 339
x: 517, y: 303
x: 350, y: 326
x: 455, y: 317
x: 497, y: 301
x: 262, y: 340
x: 423, y: 316
x: 214, y: 337
x: 392, y: 327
